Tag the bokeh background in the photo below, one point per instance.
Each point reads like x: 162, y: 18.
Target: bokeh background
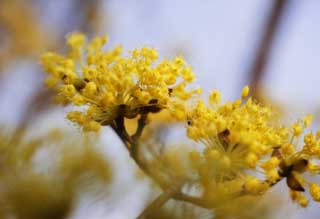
x: 272, y: 45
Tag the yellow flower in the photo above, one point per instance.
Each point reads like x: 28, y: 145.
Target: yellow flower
x: 245, y: 92
x: 117, y: 85
x: 315, y: 192
x: 243, y: 133
x: 307, y: 120
x: 215, y: 97
x: 298, y: 197
x: 255, y: 186
x: 297, y: 129
x: 271, y: 164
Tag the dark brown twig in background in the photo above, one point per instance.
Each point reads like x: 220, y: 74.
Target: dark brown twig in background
x: 264, y: 48
x: 38, y: 103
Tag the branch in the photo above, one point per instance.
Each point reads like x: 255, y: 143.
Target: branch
x: 136, y: 136
x: 141, y: 124
x: 263, y: 52
x: 120, y: 130
x: 115, y: 129
x: 159, y: 201
x: 132, y: 145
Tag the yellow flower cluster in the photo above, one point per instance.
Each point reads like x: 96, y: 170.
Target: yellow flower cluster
x: 112, y: 85
x: 236, y: 134
x: 30, y: 189
x: 244, y: 136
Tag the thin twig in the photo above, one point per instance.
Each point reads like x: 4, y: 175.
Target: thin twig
x: 141, y: 124
x: 119, y: 128
x: 136, y: 136
x: 263, y: 52
x: 122, y: 130
x: 119, y: 134
x: 132, y: 145
x: 38, y: 104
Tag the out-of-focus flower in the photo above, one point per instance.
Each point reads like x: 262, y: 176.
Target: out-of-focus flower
x: 249, y: 207
x: 113, y: 86
x: 21, y: 33
x: 35, y: 188
x: 175, y: 210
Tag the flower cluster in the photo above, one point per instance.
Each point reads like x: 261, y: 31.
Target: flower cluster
x: 112, y: 85
x: 30, y: 189
x: 244, y: 137
x: 245, y: 149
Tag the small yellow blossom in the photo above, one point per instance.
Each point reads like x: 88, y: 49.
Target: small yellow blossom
x: 272, y: 176
x: 92, y: 126
x: 288, y: 149
x: 215, y: 97
x: 315, y: 192
x: 301, y: 199
x: 245, y: 92
x: 297, y: 129
x: 307, y: 120
x: 251, y: 160
x: 254, y: 186
x: 270, y: 164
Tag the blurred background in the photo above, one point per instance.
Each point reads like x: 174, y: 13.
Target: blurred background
x: 271, y: 45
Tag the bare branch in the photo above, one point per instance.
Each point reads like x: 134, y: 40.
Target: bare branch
x: 263, y: 52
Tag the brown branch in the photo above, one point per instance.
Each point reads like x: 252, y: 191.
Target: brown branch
x: 89, y: 11
x: 121, y: 134
x: 122, y: 130
x: 263, y: 52
x: 119, y: 128
x: 136, y: 136
x: 131, y: 143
